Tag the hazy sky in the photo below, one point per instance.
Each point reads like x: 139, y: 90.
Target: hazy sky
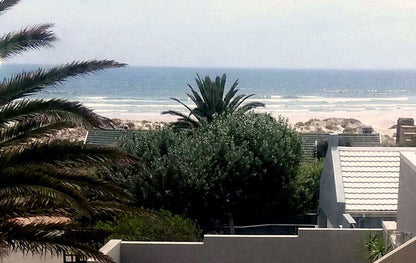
x: 225, y: 33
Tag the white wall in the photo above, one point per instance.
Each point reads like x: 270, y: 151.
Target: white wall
x: 112, y: 249
x: 331, y: 195
x: 406, y: 215
x: 310, y: 246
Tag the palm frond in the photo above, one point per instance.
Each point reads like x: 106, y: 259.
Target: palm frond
x: 235, y: 102
x: 251, y: 105
x: 183, y: 119
x: 196, y: 98
x: 29, y: 130
x: 244, y: 99
x: 62, y: 154
x: 183, y: 104
x: 25, y: 84
x: 50, y: 179
x: 39, y: 200
x: 83, y: 180
x: 210, y: 101
x: 176, y: 113
x: 220, y: 82
x: 70, y: 196
x: 47, y: 192
x: 21, y: 110
x: 34, y: 37
x: 200, y: 84
x: 231, y: 93
x: 53, y: 237
x: 6, y: 4
x: 108, y: 208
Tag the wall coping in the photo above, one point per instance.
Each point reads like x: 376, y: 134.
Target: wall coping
x: 159, y: 243
x: 110, y: 245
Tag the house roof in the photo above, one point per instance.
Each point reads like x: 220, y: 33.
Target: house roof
x: 370, y: 178
x: 108, y: 137
x: 103, y: 137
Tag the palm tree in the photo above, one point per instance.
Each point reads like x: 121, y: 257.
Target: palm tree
x: 49, y: 192
x: 211, y: 101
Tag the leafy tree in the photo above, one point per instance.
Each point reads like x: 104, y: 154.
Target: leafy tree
x: 49, y: 193
x: 306, y: 186
x: 210, y: 101
x: 155, y: 226
x: 240, y: 164
x: 321, y: 149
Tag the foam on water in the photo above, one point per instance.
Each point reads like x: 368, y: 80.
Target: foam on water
x: 148, y: 90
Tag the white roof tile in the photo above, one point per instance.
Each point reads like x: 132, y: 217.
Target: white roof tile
x: 364, y: 185
x: 366, y: 180
x: 359, y: 163
x: 370, y: 158
x: 371, y: 191
x: 369, y: 208
x: 370, y: 153
x: 371, y: 201
x: 369, y: 168
x: 370, y: 174
x: 371, y: 196
x: 370, y: 179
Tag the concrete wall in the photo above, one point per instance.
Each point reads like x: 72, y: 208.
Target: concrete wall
x: 348, y: 221
x: 331, y: 192
x: 310, y: 246
x: 406, y: 253
x: 17, y: 257
x: 406, y: 216
x: 112, y: 249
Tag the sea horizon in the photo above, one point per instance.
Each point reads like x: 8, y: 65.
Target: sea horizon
x: 137, y: 92
x: 225, y: 67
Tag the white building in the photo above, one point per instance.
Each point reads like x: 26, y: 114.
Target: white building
x: 359, y: 185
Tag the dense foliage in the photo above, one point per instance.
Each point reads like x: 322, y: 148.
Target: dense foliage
x: 48, y: 197
x: 211, y: 101
x: 377, y: 247
x: 243, y: 164
x: 155, y: 226
x: 306, y: 184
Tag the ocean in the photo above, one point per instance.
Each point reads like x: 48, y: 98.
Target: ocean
x: 131, y: 91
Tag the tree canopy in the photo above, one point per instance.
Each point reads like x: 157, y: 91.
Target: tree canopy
x: 243, y: 164
x: 154, y: 226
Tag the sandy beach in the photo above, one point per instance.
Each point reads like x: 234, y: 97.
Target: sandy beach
x: 381, y: 121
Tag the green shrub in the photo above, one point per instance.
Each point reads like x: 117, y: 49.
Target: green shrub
x: 242, y: 164
x: 307, y: 187
x: 321, y: 149
x: 154, y: 226
x: 376, y: 246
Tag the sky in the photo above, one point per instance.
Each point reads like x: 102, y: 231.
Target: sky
x: 332, y: 34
